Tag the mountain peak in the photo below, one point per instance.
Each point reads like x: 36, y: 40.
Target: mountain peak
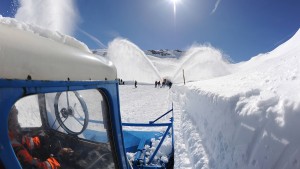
x: 163, y: 53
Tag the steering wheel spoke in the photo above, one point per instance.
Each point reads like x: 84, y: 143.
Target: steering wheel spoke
x: 65, y: 112
x: 78, y: 121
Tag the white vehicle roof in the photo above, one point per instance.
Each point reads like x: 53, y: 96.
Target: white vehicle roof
x: 24, y: 54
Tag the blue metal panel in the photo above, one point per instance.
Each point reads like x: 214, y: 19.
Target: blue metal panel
x: 136, y: 140
x: 146, y: 125
x: 133, y: 138
x: 8, y: 96
x: 113, y: 96
x: 12, y: 90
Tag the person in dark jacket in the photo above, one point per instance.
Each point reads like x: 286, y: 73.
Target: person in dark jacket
x: 135, y: 84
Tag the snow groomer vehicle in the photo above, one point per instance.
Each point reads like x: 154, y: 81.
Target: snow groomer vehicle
x: 69, y: 98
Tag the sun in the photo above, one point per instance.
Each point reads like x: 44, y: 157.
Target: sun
x: 174, y: 1
x: 174, y: 5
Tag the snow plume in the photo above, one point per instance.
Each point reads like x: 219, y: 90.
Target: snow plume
x: 56, y: 15
x: 95, y: 39
x: 202, y: 62
x: 131, y: 62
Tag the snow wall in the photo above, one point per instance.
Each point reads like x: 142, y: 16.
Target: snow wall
x: 247, y: 120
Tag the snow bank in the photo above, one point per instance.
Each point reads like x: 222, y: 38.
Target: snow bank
x: 249, y: 119
x: 200, y: 63
x: 47, y: 33
x: 131, y: 62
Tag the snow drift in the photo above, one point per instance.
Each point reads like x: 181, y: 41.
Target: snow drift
x: 248, y: 119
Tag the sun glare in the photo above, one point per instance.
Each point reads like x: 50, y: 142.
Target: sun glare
x: 174, y: 5
x: 175, y: 2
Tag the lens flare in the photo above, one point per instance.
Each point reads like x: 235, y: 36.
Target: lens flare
x: 175, y: 2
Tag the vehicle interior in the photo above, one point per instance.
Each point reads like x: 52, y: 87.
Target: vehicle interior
x: 77, y: 120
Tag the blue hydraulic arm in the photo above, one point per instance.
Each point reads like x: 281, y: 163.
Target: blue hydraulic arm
x: 140, y: 150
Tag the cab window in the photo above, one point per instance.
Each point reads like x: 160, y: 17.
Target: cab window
x: 29, y: 114
x: 82, y: 113
x: 70, y: 129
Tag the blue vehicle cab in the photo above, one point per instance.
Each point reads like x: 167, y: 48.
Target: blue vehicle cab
x: 72, y: 97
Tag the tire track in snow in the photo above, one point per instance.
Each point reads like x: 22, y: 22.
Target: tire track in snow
x: 181, y: 155
x: 189, y: 151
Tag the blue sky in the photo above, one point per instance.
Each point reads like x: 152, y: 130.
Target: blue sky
x: 240, y: 28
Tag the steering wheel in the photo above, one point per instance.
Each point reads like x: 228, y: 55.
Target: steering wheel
x: 66, y: 113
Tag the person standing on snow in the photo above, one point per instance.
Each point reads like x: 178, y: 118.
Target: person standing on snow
x: 135, y: 84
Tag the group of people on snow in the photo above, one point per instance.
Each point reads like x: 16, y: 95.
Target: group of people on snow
x: 121, y: 82
x: 165, y: 82
x: 157, y: 84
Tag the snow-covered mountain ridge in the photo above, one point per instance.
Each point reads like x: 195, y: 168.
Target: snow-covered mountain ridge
x: 161, y: 53
x: 165, y: 53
